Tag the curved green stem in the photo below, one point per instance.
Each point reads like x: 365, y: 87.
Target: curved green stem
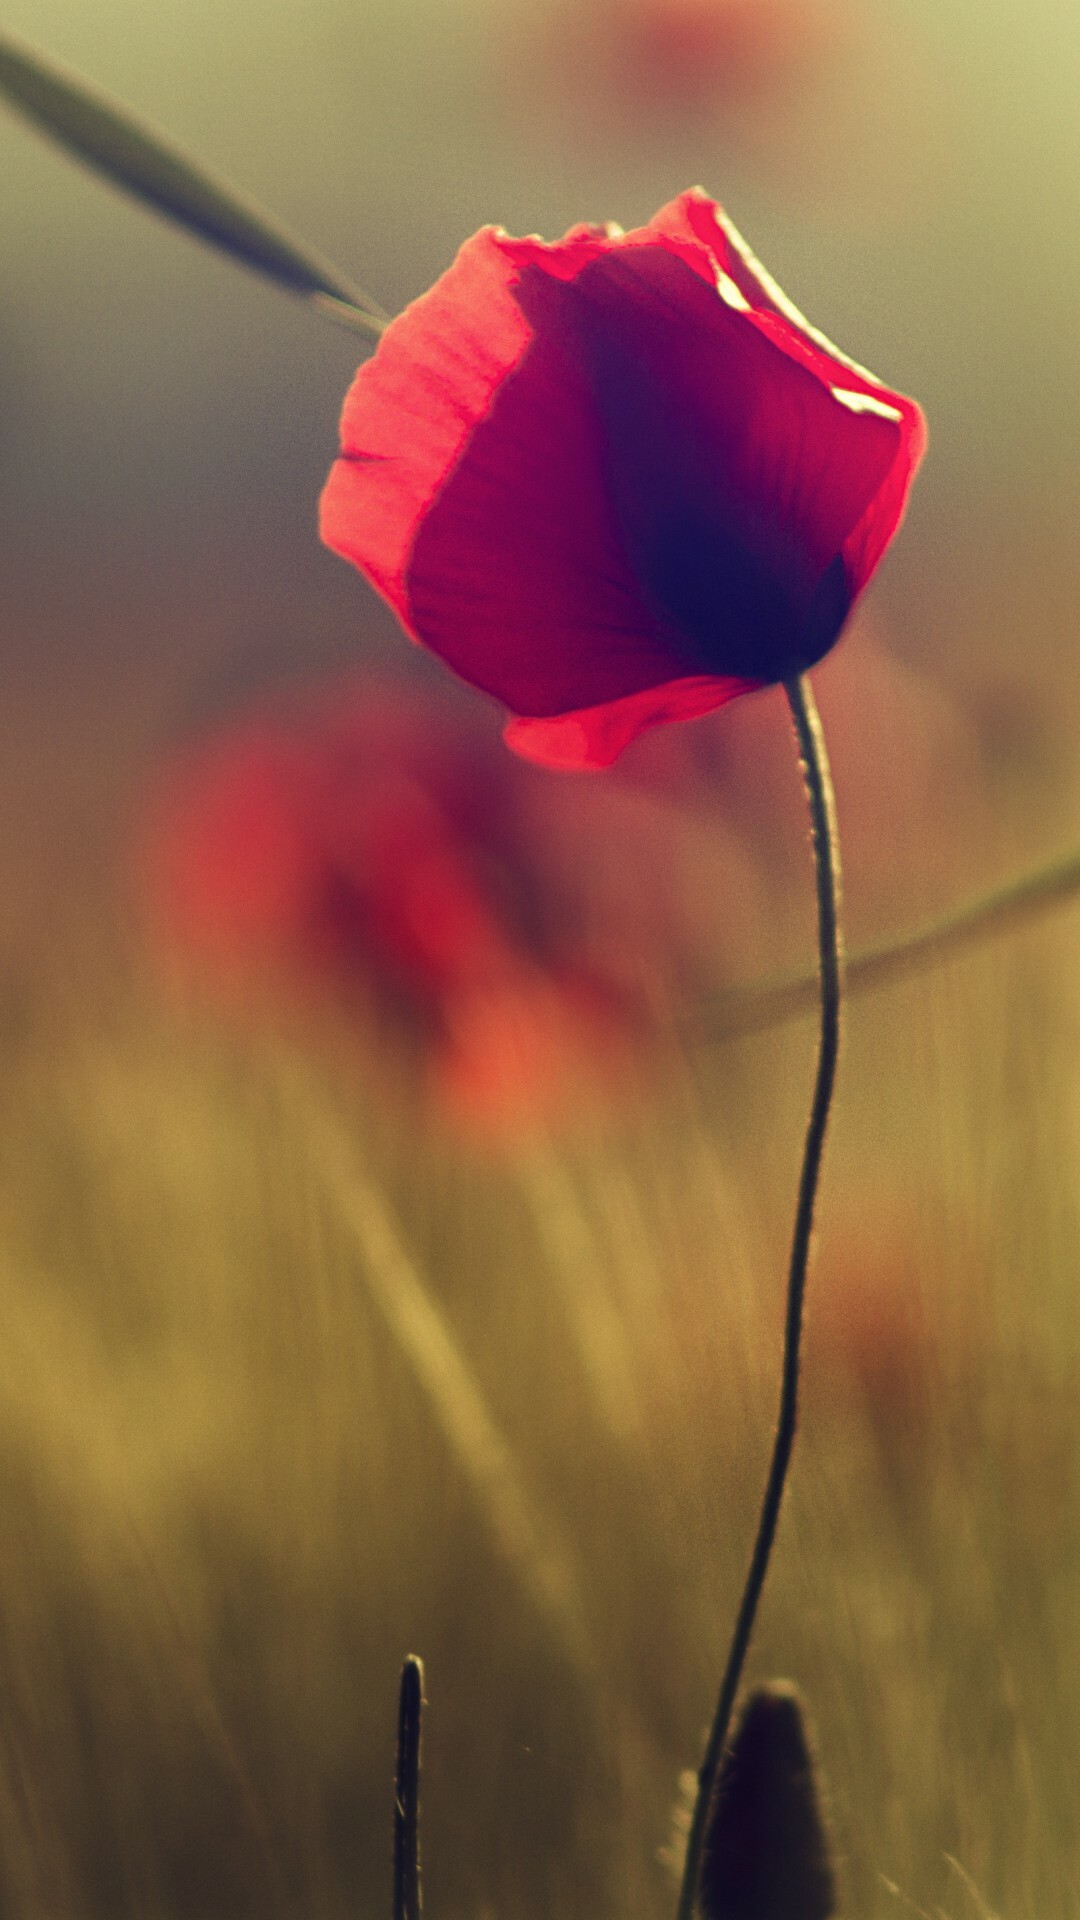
x: 827, y: 867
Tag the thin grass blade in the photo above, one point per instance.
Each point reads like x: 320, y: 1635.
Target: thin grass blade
x: 407, y: 1900
x: 146, y: 163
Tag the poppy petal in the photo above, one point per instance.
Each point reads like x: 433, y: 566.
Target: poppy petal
x: 599, y: 469
x: 594, y: 737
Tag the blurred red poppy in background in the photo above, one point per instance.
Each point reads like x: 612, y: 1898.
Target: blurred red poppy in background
x: 617, y: 479
x: 361, y: 852
x: 684, y: 57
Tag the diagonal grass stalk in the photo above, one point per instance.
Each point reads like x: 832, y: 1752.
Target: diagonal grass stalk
x: 524, y: 1535
x: 769, y: 1003
x: 575, y: 1259
x: 145, y: 162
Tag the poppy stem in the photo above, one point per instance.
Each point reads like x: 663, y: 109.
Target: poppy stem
x: 819, y: 792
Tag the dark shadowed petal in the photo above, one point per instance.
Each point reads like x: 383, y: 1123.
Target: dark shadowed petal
x: 736, y: 472
x: 520, y: 577
x: 738, y: 269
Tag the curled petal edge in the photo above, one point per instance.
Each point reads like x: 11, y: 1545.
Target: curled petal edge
x: 591, y: 738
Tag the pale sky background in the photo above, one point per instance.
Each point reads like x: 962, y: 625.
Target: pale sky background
x: 921, y: 208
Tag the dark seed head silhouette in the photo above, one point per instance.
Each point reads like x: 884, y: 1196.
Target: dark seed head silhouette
x: 767, y: 1855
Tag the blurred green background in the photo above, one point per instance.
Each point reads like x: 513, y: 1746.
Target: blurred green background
x: 237, y: 1487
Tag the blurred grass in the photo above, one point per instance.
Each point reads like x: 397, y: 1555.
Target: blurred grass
x: 230, y: 1507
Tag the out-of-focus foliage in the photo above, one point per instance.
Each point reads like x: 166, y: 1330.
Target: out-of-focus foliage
x: 236, y: 1492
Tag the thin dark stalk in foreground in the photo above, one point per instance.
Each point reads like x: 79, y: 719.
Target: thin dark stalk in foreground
x: 407, y: 1901
x: 827, y: 867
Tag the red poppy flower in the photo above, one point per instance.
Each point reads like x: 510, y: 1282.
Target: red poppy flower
x: 617, y: 479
